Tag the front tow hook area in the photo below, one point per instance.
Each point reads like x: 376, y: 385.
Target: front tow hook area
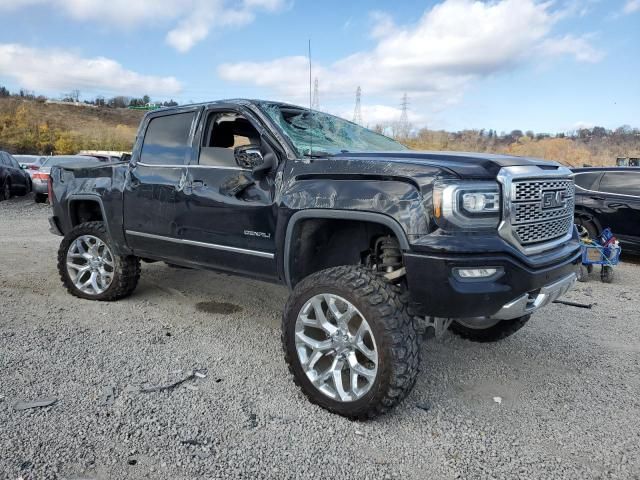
x: 532, y: 301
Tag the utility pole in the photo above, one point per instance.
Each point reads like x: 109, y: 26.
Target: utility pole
x: 403, y: 125
x: 357, y: 112
x: 315, y: 104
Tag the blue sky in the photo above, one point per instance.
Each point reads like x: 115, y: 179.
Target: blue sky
x: 503, y: 64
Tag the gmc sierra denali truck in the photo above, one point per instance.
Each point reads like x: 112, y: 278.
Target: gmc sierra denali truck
x: 376, y: 242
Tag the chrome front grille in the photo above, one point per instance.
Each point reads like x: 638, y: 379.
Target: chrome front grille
x: 541, y: 210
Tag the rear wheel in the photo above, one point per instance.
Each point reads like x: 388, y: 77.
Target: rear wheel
x: 489, y: 331
x: 349, y: 342
x: 90, y: 269
x: 606, y: 274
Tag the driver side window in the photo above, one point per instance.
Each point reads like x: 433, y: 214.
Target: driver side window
x: 224, y: 132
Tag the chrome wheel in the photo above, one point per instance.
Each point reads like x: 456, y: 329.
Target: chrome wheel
x: 90, y: 264
x: 336, y: 347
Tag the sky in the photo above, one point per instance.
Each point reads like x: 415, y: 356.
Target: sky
x: 546, y: 66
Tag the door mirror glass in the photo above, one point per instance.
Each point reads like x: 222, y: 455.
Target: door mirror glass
x: 249, y: 157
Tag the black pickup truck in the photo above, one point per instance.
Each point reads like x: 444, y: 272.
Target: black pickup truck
x: 377, y: 243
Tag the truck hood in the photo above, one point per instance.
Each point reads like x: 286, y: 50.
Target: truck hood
x: 463, y: 164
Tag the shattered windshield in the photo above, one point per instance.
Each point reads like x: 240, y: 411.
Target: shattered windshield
x: 326, y: 134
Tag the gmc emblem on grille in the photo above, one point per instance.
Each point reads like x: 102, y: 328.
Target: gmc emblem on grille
x: 553, y: 200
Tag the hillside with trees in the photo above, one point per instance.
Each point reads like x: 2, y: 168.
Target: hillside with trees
x: 28, y: 126
x: 34, y: 124
x: 31, y: 123
x: 595, y: 146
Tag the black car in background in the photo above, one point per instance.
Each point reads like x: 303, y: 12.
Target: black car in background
x: 13, y: 180
x: 610, y: 197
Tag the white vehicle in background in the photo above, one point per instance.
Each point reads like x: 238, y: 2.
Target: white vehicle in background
x: 30, y: 163
x: 106, y: 155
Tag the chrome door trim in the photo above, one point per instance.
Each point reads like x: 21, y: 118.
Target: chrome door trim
x: 194, y: 243
x: 220, y: 167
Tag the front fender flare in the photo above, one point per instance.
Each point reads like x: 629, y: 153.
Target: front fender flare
x: 372, y: 217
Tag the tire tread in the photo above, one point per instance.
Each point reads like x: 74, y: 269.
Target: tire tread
x: 392, y: 311
x: 127, y: 278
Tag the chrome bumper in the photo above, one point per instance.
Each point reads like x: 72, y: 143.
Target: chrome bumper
x: 529, y: 303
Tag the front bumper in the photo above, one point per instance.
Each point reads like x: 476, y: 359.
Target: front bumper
x: 435, y: 290
x: 530, y: 302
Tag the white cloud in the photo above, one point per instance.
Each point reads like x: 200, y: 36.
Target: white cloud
x: 195, y: 18
x: 631, y: 6
x: 205, y: 15
x: 434, y: 60
x: 578, y: 47
x: 59, y: 71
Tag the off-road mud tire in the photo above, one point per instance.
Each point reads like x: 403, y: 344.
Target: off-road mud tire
x: 386, y: 311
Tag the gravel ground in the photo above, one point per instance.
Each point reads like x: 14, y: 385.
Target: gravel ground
x: 569, y: 385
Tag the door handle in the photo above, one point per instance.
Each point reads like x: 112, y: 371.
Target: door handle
x: 198, y: 184
x: 617, y: 205
x: 596, y: 197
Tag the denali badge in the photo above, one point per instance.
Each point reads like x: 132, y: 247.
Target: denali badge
x: 553, y: 200
x: 257, y: 234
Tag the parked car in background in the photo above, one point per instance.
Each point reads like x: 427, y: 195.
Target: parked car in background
x: 610, y: 197
x: 13, y: 179
x: 41, y: 177
x: 30, y: 163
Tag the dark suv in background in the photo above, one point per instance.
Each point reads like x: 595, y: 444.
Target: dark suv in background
x: 13, y: 180
x: 610, y: 197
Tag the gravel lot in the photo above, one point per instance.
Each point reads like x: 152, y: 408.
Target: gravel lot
x: 569, y: 384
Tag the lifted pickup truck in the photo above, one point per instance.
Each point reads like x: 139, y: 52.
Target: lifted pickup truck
x: 376, y: 242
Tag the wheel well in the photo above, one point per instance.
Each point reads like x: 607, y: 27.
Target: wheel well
x: 585, y: 214
x: 319, y: 243
x: 82, y: 211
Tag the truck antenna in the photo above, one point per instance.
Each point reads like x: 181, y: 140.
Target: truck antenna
x: 310, y: 106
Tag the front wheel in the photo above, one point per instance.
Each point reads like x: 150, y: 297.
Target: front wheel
x: 5, y: 192
x: 349, y: 342
x: 489, y: 331
x: 90, y: 269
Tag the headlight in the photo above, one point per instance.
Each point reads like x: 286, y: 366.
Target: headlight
x: 466, y: 205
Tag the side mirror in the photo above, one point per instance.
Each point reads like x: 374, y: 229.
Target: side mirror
x: 23, y: 167
x: 250, y: 157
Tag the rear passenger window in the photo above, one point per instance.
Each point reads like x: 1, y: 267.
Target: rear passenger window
x: 587, y: 181
x: 167, y: 141
x: 626, y: 183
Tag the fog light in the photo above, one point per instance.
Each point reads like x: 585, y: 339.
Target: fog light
x: 477, y: 273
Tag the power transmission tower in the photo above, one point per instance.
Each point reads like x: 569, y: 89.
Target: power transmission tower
x: 403, y: 125
x: 315, y: 104
x: 357, y: 112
